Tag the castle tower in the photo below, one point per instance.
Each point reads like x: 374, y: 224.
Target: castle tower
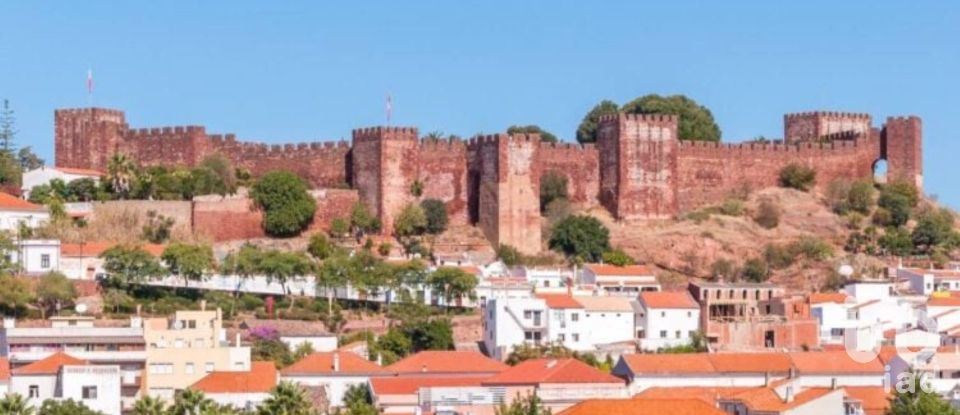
x: 87, y: 137
x: 638, y: 165
x: 509, y: 190
x: 810, y: 126
x: 902, y: 147
x: 384, y: 166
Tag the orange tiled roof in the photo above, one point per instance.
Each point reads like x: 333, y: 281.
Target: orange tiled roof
x: 539, y: 371
x: 943, y: 301
x: 615, y: 271
x: 873, y: 399
x: 642, y: 407
x: 820, y: 298
x: 4, y: 369
x: 321, y: 363
x: 11, y: 202
x: 95, y: 249
x: 409, y: 385
x: 767, y: 400
x: 668, y: 299
x: 557, y: 301
x: 82, y: 172
x: 49, y: 365
x: 437, y: 361
x: 705, y: 393
x: 261, y: 378
x: 751, y: 362
x: 833, y: 362
x: 669, y: 363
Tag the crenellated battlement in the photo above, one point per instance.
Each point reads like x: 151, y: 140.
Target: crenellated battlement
x: 386, y: 133
x: 88, y: 112
x: 828, y: 114
x: 842, y: 141
x: 442, y: 145
x: 159, y: 133
x: 646, y: 118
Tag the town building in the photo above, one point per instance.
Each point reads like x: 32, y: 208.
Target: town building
x: 333, y: 372
x: 83, y: 261
x: 627, y: 280
x: 44, y: 175
x: 61, y: 376
x: 927, y: 281
x: 35, y: 256
x: 666, y: 319
x: 16, y: 212
x: 242, y: 390
x: 643, y: 407
x: 439, y: 363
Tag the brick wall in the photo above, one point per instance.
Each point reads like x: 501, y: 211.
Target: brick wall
x: 509, y: 187
x: 442, y: 169
x: 579, y: 164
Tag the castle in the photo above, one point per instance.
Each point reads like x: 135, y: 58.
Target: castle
x: 638, y: 169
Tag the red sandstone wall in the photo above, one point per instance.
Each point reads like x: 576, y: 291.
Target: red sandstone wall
x: 87, y: 138
x: 168, y: 146
x: 321, y: 164
x: 510, y: 190
x: 810, y: 126
x: 442, y: 168
x: 904, y: 149
x: 580, y: 165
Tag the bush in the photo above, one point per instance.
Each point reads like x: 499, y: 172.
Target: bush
x: 158, y: 227
x: 797, y: 176
x: 896, y: 241
x: 509, y: 255
x: 339, y: 228
x: 755, y: 270
x: 811, y: 248
x: 436, y: 212
x: 384, y: 248
x: 768, y: 214
x: 695, y: 121
x: 617, y: 257
x: 580, y: 237
x: 778, y: 256
x: 723, y: 268
x: 732, y: 207
x: 288, y: 207
x: 553, y: 186
x: 860, y: 197
x: 934, y: 229
x: 411, y: 221
x: 894, y: 209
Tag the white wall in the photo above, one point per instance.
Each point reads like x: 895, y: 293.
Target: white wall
x: 10, y: 219
x: 105, y: 378
x: 239, y: 400
x: 319, y: 343
x: 33, y: 255
x: 45, y: 175
x: 46, y: 384
x: 335, y: 386
x: 653, y: 321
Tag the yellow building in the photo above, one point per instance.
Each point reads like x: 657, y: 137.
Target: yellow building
x: 184, y: 349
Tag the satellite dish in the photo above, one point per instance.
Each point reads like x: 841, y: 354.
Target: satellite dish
x: 845, y: 270
x: 80, y: 308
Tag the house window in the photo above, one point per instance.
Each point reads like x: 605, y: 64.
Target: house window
x: 546, y: 283
x: 663, y: 314
x: 161, y: 368
x: 574, y: 317
x: 527, y: 314
x: 45, y: 261
x: 692, y: 333
x: 191, y: 324
x: 89, y: 392
x: 189, y: 369
x: 576, y: 337
x: 561, y: 337
x: 34, y: 391
x: 208, y: 367
x: 663, y: 334
x: 689, y: 314
x: 678, y: 334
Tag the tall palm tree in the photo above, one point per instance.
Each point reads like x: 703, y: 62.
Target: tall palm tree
x: 286, y: 399
x: 15, y: 404
x: 121, y: 172
x: 148, y: 405
x: 191, y: 402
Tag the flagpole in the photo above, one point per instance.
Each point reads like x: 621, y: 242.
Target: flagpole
x: 90, y: 87
x: 389, y: 108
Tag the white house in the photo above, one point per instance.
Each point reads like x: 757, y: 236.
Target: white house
x: 243, y: 390
x: 317, y: 342
x: 627, y: 280
x: 44, y: 175
x: 546, y: 279
x: 665, y: 319
x: 927, y: 281
x: 830, y: 310
x: 14, y: 211
x: 36, y: 256
x: 333, y: 371
x: 61, y: 376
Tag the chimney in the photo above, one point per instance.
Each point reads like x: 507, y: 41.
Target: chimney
x: 203, y: 305
x: 237, y: 339
x: 379, y: 359
x: 766, y: 378
x: 833, y: 384
x: 788, y: 395
x: 336, y: 361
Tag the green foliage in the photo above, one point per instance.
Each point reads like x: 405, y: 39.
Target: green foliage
x: 357, y: 401
x: 283, y: 266
x: 897, y: 200
x: 191, y: 402
x: 696, y: 122
x: 556, y: 350
x: 288, y: 207
x: 452, y: 284
x: 617, y: 257
x: 509, y: 255
x: 545, y: 136
x: 54, y: 291
x: 384, y: 248
x: 82, y: 190
x: 731, y: 207
x: 755, y: 270
x: 778, y: 256
x: 861, y: 195
x: 910, y: 398
x: 288, y: 399
x: 581, y: 238
x: 412, y: 221
x: 768, y: 214
x: 271, y: 349
x: 436, y: 213
x: 339, y: 228
x: 148, y: 405
x: 416, y: 188
x: 724, y: 268
x: 798, y: 176
x: 811, y: 248
x: 66, y: 407
x: 28, y: 159
x: 224, y: 173
x: 362, y: 221
x: 15, y: 404
x: 127, y: 264
x: 935, y: 229
x: 553, y: 186
x: 906, y: 189
x: 526, y: 405
x: 189, y: 261
x: 896, y: 241
x: 121, y: 174
x: 435, y: 334
x: 846, y: 198
x: 158, y: 227
x: 15, y: 294
x: 697, y: 344
x: 320, y: 247
x: 587, y: 131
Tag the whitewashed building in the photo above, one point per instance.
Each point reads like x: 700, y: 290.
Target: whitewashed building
x: 626, y: 280
x: 45, y: 175
x: 35, y: 256
x: 666, y: 319
x: 15, y: 211
x: 61, y: 376
x: 244, y: 390
x: 335, y: 372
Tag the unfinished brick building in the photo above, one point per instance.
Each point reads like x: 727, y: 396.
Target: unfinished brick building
x: 639, y: 169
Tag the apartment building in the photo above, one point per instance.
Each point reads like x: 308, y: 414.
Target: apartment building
x: 333, y: 372
x: 666, y: 319
x: 627, y: 280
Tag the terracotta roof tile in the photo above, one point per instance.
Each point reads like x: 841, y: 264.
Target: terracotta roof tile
x: 642, y: 407
x: 750, y: 362
x: 540, y: 371
x: 11, y: 202
x: 873, y: 399
x: 557, y: 301
x: 4, y: 369
x: 436, y: 361
x: 322, y: 364
x: 615, y: 271
x: 95, y: 249
x: 705, y: 393
x: 834, y: 363
x: 408, y: 385
x: 821, y: 298
x: 943, y: 301
x: 767, y: 400
x: 261, y: 378
x: 668, y: 299
x: 608, y: 303
x: 661, y: 364
x: 48, y: 366
x: 80, y: 172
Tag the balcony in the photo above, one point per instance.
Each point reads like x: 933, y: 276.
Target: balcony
x: 96, y: 356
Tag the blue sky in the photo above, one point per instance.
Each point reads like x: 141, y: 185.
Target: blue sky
x: 304, y: 71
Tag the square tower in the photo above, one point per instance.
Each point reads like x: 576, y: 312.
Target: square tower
x: 384, y: 164
x: 509, y: 190
x: 86, y: 138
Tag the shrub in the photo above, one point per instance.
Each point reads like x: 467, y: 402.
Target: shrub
x: 553, y: 186
x: 157, y: 229
x: 436, y: 212
x: 732, y: 207
x: 509, y: 255
x: 411, y: 221
x: 723, y: 268
x: 617, y: 257
x: 580, y: 237
x: 860, y: 196
x: 695, y: 121
x: 934, y: 229
x: 896, y: 205
x: 811, y: 248
x: 698, y: 216
x: 778, y: 256
x: 384, y: 248
x: 768, y: 214
x: 797, y: 176
x: 755, y: 270
x: 288, y: 207
x: 339, y: 228
x: 896, y: 241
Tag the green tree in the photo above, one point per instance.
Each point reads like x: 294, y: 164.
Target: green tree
x: 452, y: 284
x: 53, y: 292
x: 15, y: 294
x: 509, y: 255
x: 436, y: 213
x: 580, y: 237
x: 191, y: 402
x: 912, y: 397
x: 587, y: 131
x: 158, y: 228
x: 127, y: 264
x: 861, y: 195
x: 755, y: 270
x: 934, y: 228
x: 362, y: 221
x: 148, y: 405
x: 40, y: 194
x: 617, y: 257
x: 553, y: 186
x: 798, y: 176
x: 527, y: 405
x: 188, y: 261
x: 896, y: 241
x: 320, y: 247
x: 121, y: 174
x: 333, y: 273
x: 697, y: 344
x: 695, y: 123
x: 8, y: 128
x: 28, y: 159
x: 288, y: 207
x: 357, y: 401
x: 435, y: 334
x: 412, y: 221
x: 81, y: 190
x: 393, y: 345
x: 284, y: 266
x: 287, y: 399
x: 15, y: 404
x: 339, y: 228
x: 66, y: 407
x: 545, y: 136
x: 223, y: 169
x: 894, y: 209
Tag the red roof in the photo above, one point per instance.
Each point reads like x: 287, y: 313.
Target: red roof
x: 642, y: 407
x: 408, y: 385
x: 873, y: 399
x: 834, y: 363
x: 668, y: 299
x: 669, y: 363
x: 437, y: 361
x: 539, y: 371
x: 81, y: 172
x: 95, y: 249
x: 11, y: 202
x: 820, y: 298
x: 261, y: 378
x: 615, y: 271
x: 557, y: 301
x: 322, y: 364
x: 4, y: 369
x: 943, y: 301
x: 751, y: 362
x: 49, y: 366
